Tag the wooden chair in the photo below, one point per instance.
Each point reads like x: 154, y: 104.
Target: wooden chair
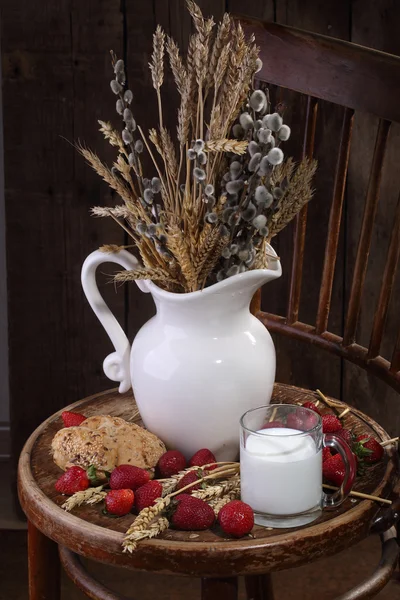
x: 339, y: 72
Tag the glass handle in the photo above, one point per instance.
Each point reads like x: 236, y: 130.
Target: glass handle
x: 335, y: 499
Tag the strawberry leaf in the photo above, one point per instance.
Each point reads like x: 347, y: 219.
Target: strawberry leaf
x: 360, y: 450
x: 92, y: 473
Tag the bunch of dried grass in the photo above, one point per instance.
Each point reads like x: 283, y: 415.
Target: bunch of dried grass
x: 222, y: 190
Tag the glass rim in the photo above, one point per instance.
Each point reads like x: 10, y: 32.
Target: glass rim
x: 266, y: 406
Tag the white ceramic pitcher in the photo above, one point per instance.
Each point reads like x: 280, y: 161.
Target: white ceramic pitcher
x: 198, y: 364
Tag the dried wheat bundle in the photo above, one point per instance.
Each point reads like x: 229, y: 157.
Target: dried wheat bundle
x: 221, y: 190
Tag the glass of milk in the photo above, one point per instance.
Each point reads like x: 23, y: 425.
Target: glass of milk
x: 281, y: 465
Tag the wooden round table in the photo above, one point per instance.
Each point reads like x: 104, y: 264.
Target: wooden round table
x: 209, y: 555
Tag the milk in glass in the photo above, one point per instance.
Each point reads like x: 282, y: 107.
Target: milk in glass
x: 281, y: 472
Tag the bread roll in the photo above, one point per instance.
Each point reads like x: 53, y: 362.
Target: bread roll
x: 106, y: 442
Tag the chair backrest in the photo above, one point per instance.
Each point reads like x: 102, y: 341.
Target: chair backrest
x: 358, y: 79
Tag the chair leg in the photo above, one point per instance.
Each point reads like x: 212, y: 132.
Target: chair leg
x: 259, y: 587
x: 44, y: 566
x: 225, y: 588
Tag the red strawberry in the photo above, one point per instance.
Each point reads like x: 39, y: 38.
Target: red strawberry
x: 312, y: 406
x: 294, y: 421
x: 128, y: 477
x: 273, y: 424
x: 369, y: 443
x: 171, y: 462
x: 334, y: 470
x: 236, y: 518
x: 330, y: 424
x: 326, y: 453
x: 345, y: 435
x: 72, y: 419
x: 310, y: 421
x: 74, y: 480
x: 190, y: 478
x: 119, y: 502
x: 192, y: 514
x: 203, y: 457
x: 147, y: 494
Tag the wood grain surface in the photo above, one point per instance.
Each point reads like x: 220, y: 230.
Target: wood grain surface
x: 90, y: 533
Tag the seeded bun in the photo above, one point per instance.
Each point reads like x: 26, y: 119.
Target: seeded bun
x: 106, y: 442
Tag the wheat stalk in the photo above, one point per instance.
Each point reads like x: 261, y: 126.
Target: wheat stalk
x: 220, y: 69
x: 153, y: 529
x: 157, y: 58
x: 112, y: 248
x: 216, y: 491
x: 168, y: 152
x: 202, y: 253
x: 169, y: 484
x: 140, y: 273
x: 105, y: 211
x: 112, y: 135
x: 89, y: 496
x: 177, y: 244
x: 105, y: 173
x: 299, y: 193
x: 219, y: 47
x: 226, y: 145
x: 212, y: 260
x: 219, y: 503
x: 177, y: 67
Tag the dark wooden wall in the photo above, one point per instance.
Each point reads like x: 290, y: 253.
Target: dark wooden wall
x: 55, y: 86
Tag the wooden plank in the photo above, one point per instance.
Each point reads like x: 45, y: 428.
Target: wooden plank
x: 55, y: 85
x: 301, y: 219
x: 374, y: 26
x: 385, y: 293
x: 335, y: 219
x: 364, y: 244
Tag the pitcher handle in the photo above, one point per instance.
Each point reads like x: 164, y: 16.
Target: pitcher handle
x: 116, y: 364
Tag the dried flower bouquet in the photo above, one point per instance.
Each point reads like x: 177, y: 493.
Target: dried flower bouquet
x: 224, y: 190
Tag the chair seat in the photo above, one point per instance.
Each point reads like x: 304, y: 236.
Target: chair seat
x: 88, y: 532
